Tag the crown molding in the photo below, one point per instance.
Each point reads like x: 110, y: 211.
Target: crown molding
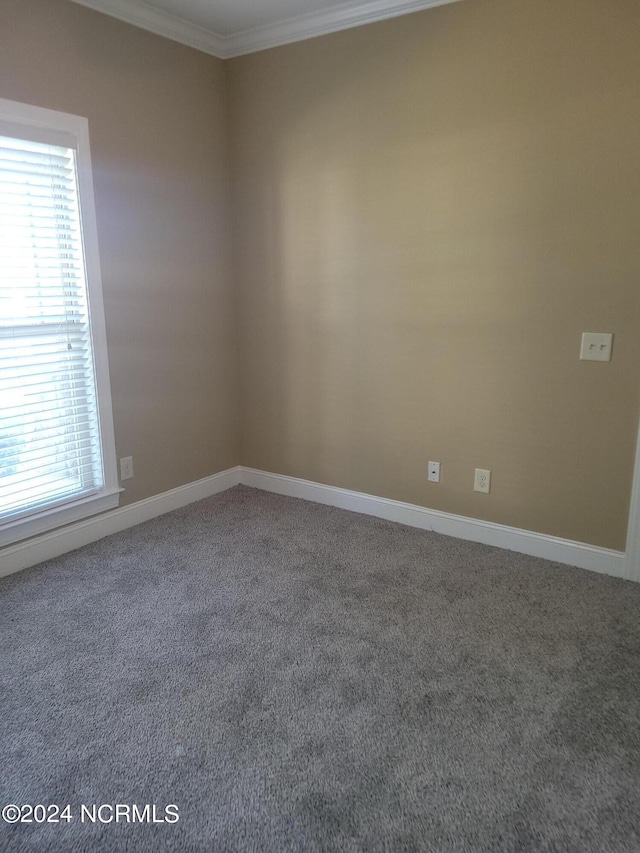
x: 302, y: 27
x: 161, y: 23
x: 321, y: 23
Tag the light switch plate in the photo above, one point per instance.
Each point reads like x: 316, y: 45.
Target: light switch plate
x: 596, y: 346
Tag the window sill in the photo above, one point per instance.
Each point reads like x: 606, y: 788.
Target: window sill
x: 41, y: 522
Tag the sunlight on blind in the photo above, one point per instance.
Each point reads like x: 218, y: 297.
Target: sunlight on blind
x: 49, y: 433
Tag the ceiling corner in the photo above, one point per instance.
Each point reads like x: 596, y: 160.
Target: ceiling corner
x: 294, y: 29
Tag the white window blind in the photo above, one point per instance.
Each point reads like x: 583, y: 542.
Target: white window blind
x: 51, y: 451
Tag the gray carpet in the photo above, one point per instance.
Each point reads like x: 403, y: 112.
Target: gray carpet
x: 299, y: 678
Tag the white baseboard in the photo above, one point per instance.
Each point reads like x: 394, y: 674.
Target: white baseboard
x: 53, y: 544
x: 584, y: 556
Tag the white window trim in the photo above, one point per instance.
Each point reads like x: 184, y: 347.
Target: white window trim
x: 34, y: 117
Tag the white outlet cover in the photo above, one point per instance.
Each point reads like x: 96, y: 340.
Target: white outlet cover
x: 482, y: 481
x: 434, y: 472
x: 126, y: 468
x: 596, y: 346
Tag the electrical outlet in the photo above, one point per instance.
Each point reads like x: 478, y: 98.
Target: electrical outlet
x: 434, y: 472
x: 126, y: 468
x: 482, y: 481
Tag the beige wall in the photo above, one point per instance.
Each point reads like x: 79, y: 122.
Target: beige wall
x: 158, y: 122
x: 428, y: 213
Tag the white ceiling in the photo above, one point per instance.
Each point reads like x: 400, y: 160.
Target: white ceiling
x: 228, y: 28
x: 227, y: 17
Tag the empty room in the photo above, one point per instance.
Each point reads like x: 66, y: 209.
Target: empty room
x: 319, y: 419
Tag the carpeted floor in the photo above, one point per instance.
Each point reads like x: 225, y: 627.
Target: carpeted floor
x: 299, y: 678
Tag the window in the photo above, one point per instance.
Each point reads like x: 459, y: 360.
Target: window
x: 57, y: 453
